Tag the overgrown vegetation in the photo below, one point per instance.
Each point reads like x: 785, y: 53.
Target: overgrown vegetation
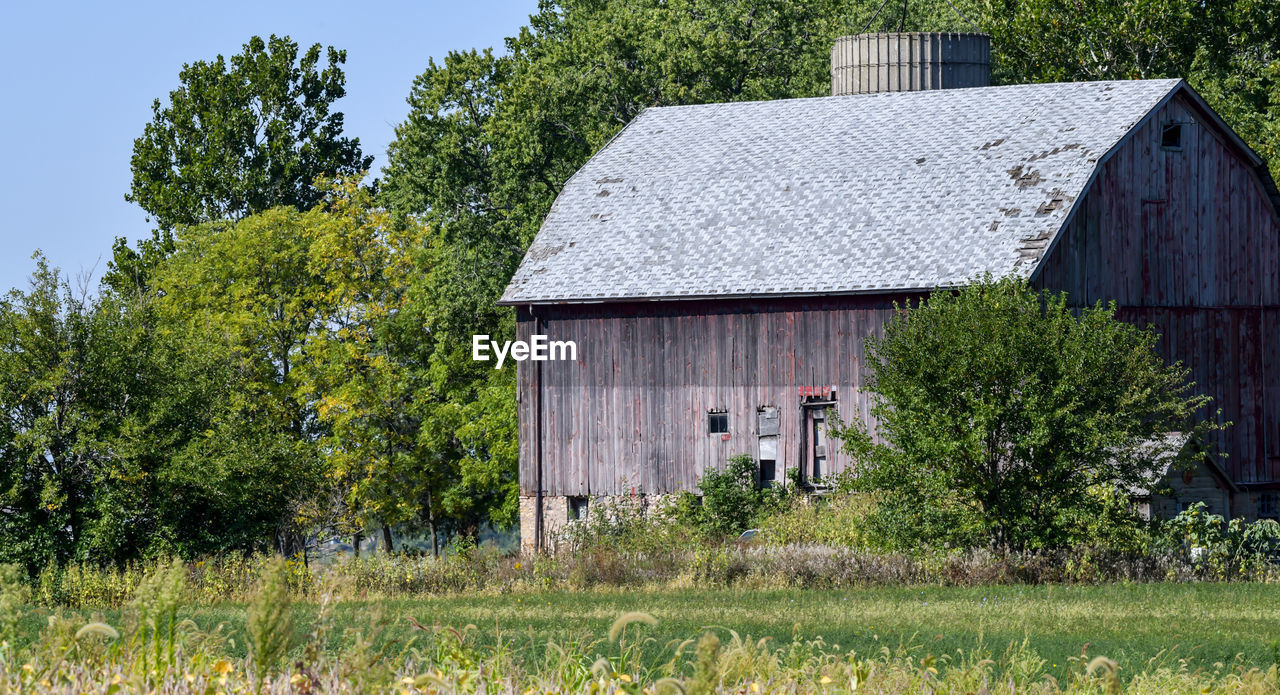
x: 731, y: 500
x: 149, y: 647
x: 849, y: 642
x: 170, y: 626
x: 829, y: 543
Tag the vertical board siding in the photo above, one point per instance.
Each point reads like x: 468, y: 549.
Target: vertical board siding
x: 1231, y: 356
x: 1190, y: 246
x: 1189, y: 228
x: 1270, y: 346
x: 643, y: 427
x: 630, y: 415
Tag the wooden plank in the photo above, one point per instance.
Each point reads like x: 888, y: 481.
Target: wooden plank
x: 1271, y: 386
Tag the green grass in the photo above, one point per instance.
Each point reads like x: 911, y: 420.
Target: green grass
x: 1132, y: 624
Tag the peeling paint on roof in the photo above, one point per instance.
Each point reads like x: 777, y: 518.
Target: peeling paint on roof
x: 864, y: 193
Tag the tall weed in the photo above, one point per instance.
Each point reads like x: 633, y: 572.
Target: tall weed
x: 270, y: 622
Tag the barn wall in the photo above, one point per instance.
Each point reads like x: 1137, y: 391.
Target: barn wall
x: 630, y: 415
x: 1187, y: 242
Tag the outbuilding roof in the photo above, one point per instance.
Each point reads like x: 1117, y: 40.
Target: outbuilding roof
x: 833, y: 195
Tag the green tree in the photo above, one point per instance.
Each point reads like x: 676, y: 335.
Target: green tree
x: 1001, y: 408
x: 251, y: 288
x: 129, y: 271
x: 103, y: 406
x: 363, y: 369
x: 48, y: 475
x: 245, y: 135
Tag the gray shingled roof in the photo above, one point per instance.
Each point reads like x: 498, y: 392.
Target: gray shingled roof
x: 865, y: 193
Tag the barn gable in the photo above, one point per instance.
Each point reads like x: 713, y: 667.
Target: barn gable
x: 1181, y: 232
x: 837, y: 195
x: 1184, y: 205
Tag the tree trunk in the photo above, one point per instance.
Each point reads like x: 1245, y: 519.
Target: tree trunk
x: 431, y: 524
x: 356, y: 541
x: 386, y: 538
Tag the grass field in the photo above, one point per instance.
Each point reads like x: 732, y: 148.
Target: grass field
x: 1132, y: 624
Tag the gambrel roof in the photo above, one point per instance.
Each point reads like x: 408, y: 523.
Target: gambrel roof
x: 867, y: 193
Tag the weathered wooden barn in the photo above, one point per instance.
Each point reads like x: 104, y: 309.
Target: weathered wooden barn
x: 718, y: 266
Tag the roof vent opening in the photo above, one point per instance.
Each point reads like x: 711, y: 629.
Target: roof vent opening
x: 909, y: 62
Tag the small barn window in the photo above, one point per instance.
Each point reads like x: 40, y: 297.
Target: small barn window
x: 578, y: 507
x: 768, y: 472
x: 1171, y: 136
x: 718, y: 422
x: 1269, y: 505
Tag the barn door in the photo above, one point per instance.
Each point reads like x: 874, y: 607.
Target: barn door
x: 767, y: 428
x: 816, y: 434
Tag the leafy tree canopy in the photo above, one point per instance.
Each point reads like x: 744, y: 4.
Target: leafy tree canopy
x: 245, y: 135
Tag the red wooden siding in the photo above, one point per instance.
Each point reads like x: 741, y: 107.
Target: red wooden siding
x: 1160, y: 228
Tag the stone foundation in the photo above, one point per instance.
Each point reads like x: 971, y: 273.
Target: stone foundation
x: 559, y: 511
x: 555, y: 515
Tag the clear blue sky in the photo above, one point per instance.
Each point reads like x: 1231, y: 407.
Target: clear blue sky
x: 79, y: 79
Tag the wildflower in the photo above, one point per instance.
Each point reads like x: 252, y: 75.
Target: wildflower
x: 825, y: 680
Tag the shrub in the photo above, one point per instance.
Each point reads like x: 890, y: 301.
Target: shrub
x: 730, y: 497
x: 1222, y: 549
x: 1005, y: 410
x: 13, y: 595
x: 732, y: 501
x: 631, y: 524
x: 838, y: 520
